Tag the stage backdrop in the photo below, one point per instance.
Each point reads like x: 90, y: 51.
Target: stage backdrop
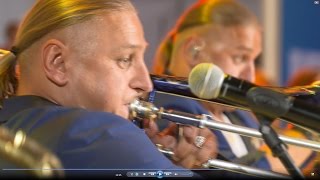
x: 300, y: 36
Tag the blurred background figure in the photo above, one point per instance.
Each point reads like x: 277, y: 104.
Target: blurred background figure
x: 305, y: 76
x: 10, y: 33
x: 227, y: 34
x: 223, y: 33
x: 260, y: 76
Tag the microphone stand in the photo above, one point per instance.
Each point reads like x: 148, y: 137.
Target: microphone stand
x: 268, y: 105
x: 278, y: 148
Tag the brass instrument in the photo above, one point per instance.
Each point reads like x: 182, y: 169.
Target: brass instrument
x: 145, y: 110
x: 232, y: 167
x: 28, y: 155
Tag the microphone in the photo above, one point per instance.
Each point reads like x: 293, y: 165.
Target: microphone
x: 179, y: 86
x: 208, y: 81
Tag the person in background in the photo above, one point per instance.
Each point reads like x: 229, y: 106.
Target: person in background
x: 304, y: 76
x: 227, y: 34
x: 10, y: 33
x: 69, y: 87
x: 261, y: 77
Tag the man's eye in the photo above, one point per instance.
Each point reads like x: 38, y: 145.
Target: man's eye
x: 124, y: 63
x: 239, y: 59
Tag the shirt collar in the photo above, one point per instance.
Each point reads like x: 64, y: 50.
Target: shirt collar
x: 14, y: 105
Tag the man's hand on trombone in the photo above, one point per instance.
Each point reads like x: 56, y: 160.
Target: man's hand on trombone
x: 191, y: 146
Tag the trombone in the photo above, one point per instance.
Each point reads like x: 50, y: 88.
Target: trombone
x: 146, y: 110
x: 232, y: 166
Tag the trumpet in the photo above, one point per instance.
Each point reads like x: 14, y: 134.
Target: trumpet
x: 145, y: 110
x: 28, y: 155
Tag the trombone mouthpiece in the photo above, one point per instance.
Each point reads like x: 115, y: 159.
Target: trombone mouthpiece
x: 143, y: 110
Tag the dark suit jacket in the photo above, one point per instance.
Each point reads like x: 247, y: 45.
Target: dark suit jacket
x: 81, y: 139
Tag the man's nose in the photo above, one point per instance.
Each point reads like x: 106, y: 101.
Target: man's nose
x: 248, y: 73
x: 142, y: 79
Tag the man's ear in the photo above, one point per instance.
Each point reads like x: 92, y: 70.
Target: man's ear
x: 192, y: 48
x: 53, y: 58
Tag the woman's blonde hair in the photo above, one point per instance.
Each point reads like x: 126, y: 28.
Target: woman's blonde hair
x: 44, y: 17
x: 225, y: 13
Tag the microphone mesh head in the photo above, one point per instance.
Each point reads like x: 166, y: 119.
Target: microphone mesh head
x: 205, y: 80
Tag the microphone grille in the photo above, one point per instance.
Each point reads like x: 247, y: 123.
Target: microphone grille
x: 205, y: 80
